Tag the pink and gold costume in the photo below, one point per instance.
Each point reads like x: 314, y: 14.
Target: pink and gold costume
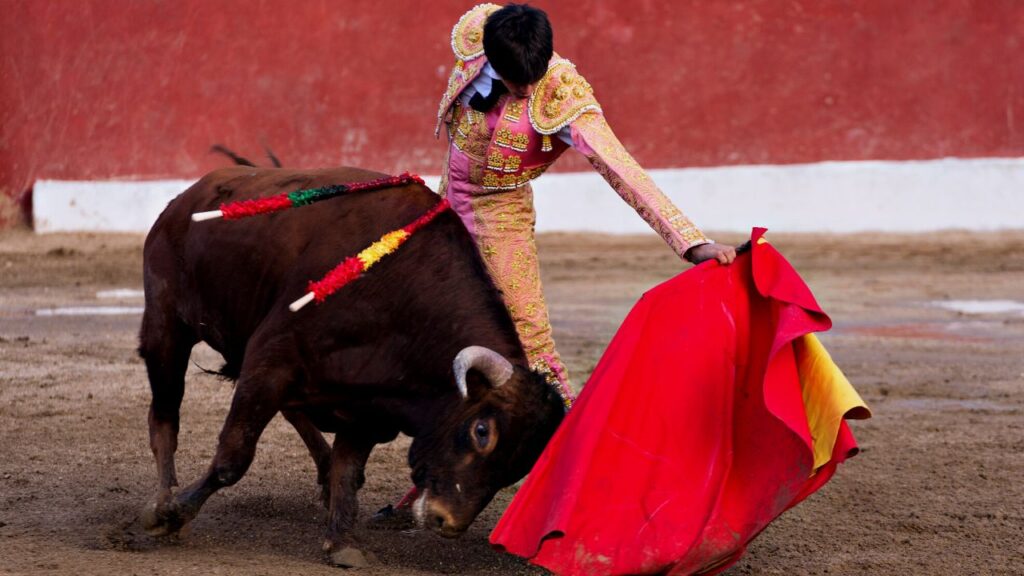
x: 493, y: 156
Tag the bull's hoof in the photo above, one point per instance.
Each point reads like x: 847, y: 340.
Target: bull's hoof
x: 349, y: 557
x: 159, y: 521
x: 391, y: 518
x: 152, y: 523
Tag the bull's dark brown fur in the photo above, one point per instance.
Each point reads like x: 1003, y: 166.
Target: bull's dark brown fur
x: 372, y: 361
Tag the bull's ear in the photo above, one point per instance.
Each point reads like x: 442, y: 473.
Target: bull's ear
x: 495, y: 367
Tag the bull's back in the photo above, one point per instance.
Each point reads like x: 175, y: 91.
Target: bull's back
x: 224, y: 278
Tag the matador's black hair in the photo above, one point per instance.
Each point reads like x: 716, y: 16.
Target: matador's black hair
x: 519, y: 43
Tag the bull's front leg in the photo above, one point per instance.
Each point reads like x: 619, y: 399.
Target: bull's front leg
x: 255, y: 403
x: 348, y: 463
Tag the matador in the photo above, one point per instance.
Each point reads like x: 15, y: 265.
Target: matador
x: 512, y: 107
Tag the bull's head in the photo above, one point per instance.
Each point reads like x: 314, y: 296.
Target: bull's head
x: 507, y: 416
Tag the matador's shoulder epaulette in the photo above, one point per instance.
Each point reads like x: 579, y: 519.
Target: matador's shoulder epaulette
x: 468, y: 33
x: 560, y: 97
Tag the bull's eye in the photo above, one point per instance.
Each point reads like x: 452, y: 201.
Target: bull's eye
x: 483, y: 436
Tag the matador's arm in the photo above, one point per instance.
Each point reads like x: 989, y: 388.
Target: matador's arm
x: 592, y: 136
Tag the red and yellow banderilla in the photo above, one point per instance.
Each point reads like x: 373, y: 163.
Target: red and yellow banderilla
x: 352, y: 267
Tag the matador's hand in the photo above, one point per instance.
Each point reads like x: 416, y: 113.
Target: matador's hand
x: 723, y: 253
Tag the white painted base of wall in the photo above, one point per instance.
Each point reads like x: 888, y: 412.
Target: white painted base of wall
x: 101, y: 206
x: 916, y: 196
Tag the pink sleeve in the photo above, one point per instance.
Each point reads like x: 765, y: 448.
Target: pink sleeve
x: 593, y: 137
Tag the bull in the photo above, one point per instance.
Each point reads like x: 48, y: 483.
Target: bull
x: 422, y: 345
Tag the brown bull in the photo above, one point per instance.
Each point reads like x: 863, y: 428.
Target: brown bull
x: 398, y: 350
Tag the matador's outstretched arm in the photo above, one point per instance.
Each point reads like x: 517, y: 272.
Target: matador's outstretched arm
x: 593, y: 137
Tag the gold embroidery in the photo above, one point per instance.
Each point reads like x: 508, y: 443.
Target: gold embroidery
x: 520, y: 142
x: 462, y: 74
x: 442, y: 187
x: 532, y: 173
x: 491, y: 180
x: 560, y: 97
x: 503, y: 137
x: 470, y: 133
x: 546, y: 143
x: 467, y: 34
x: 495, y: 160
x: 462, y: 128
x: 476, y: 172
x: 512, y: 163
x: 509, y: 181
x: 513, y: 111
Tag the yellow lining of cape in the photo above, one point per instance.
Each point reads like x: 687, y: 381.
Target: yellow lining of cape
x: 828, y: 396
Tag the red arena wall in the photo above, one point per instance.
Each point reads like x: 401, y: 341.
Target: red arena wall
x: 114, y: 89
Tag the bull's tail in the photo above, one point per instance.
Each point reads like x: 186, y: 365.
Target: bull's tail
x: 228, y: 371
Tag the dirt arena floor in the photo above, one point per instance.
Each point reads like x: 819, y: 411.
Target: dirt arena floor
x: 937, y: 490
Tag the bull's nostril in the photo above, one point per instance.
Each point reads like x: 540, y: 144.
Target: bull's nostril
x: 438, y: 521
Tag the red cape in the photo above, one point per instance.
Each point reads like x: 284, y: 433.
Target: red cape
x: 694, y: 431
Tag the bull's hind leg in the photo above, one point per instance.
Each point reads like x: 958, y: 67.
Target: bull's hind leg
x: 165, y: 344
x: 318, y: 448
x: 258, y: 397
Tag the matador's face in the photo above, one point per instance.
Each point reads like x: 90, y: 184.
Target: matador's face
x: 519, y: 90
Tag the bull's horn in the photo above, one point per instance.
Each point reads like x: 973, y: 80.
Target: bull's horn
x: 494, y: 367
